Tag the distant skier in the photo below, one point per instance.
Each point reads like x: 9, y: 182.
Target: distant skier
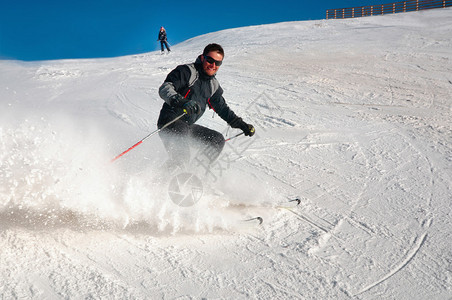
x: 191, y: 88
x: 163, y: 40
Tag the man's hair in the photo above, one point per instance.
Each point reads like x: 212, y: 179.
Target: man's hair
x: 214, y: 48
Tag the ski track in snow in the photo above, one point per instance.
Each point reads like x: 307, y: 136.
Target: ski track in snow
x: 352, y: 116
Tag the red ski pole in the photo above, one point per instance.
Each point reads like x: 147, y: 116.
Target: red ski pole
x: 239, y: 134
x: 149, y: 135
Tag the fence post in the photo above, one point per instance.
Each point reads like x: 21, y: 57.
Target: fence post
x: 417, y: 5
x: 404, y: 6
x: 382, y: 9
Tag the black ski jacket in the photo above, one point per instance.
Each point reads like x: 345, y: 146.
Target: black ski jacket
x: 162, y: 36
x: 177, y: 82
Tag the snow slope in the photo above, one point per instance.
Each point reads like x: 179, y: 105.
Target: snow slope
x: 352, y: 116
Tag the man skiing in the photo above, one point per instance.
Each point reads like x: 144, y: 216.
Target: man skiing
x: 162, y: 38
x: 190, y: 89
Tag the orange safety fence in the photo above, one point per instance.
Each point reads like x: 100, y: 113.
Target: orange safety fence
x: 389, y: 8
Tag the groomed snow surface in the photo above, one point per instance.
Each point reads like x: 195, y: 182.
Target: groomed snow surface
x: 353, y: 117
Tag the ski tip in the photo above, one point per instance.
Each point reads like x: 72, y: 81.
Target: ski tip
x: 259, y: 219
x: 298, y: 200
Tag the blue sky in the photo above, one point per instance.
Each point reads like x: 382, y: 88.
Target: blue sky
x: 57, y: 29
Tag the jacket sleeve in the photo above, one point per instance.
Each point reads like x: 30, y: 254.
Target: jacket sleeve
x: 219, y: 105
x: 176, y: 81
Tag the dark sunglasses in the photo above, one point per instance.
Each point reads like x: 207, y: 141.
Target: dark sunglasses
x: 210, y: 60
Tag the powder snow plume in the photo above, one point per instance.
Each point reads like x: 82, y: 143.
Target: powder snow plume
x: 53, y: 174
x: 50, y: 175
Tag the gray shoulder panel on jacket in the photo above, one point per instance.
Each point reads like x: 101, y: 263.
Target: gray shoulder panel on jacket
x: 166, y: 91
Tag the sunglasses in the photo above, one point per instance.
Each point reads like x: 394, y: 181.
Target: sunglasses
x: 210, y: 60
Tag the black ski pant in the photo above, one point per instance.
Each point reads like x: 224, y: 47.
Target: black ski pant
x: 163, y: 42
x: 180, y: 136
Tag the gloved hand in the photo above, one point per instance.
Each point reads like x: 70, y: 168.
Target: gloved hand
x: 247, y: 129
x: 178, y: 101
x: 191, y: 107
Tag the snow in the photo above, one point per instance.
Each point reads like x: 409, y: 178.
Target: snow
x: 352, y: 116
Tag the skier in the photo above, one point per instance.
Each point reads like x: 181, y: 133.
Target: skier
x: 190, y: 88
x: 162, y: 39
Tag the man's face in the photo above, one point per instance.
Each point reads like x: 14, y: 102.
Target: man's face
x: 209, y: 62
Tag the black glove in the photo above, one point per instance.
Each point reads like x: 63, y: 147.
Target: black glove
x: 247, y: 129
x: 191, y: 107
x: 177, y: 100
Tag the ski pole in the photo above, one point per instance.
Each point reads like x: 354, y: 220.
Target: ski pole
x: 239, y: 134
x: 149, y: 135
